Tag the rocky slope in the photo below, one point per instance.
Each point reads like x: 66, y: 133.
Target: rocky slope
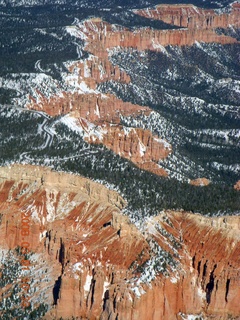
x: 192, y: 17
x: 121, y: 73
x: 95, y: 264
x: 100, y: 38
x: 146, y: 102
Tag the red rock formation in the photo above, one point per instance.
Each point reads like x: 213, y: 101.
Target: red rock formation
x: 79, y: 234
x: 201, y: 182
x: 100, y: 36
x: 150, y: 39
x: 137, y: 145
x: 189, y: 16
x: 94, y: 107
x: 72, y: 220
x: 209, y: 260
x: 237, y: 185
x: 152, y: 167
x: 86, y: 102
x: 98, y: 69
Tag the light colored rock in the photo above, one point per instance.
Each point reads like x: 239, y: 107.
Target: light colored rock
x: 200, y: 182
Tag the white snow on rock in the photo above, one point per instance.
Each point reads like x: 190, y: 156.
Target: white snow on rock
x: 87, y: 284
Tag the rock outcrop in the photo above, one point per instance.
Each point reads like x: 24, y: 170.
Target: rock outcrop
x: 98, y: 265
x: 85, y: 102
x: 151, y: 39
x: 192, y: 17
x: 96, y: 108
x: 137, y: 145
x: 237, y: 185
x: 201, y: 182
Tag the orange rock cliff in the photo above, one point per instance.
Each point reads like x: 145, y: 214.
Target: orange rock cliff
x: 106, y: 267
x: 88, y: 105
x: 192, y: 17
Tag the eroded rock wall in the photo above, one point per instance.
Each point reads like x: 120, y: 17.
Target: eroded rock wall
x: 85, y: 102
x: 192, y: 17
x: 95, y: 261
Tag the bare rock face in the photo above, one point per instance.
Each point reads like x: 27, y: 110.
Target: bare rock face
x: 150, y: 39
x: 137, y: 145
x: 192, y: 17
x: 108, y: 36
x: 201, y: 182
x: 92, y: 263
x: 74, y: 223
x: 237, y: 185
x: 92, y: 108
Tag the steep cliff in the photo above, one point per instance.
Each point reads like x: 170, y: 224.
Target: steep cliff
x: 197, y: 25
x: 137, y: 145
x: 96, y: 108
x: 151, y: 39
x: 99, y: 117
x: 84, y: 100
x: 192, y: 17
x: 98, y: 265
x: 75, y: 245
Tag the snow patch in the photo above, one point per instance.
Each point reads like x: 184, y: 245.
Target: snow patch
x: 97, y: 111
x: 142, y: 148
x: 138, y: 290
x: 85, y: 88
x: 42, y: 235
x: 105, y: 286
x: 173, y: 280
x: 51, y: 198
x: 87, y: 284
x: 77, y: 267
x: 156, y: 45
